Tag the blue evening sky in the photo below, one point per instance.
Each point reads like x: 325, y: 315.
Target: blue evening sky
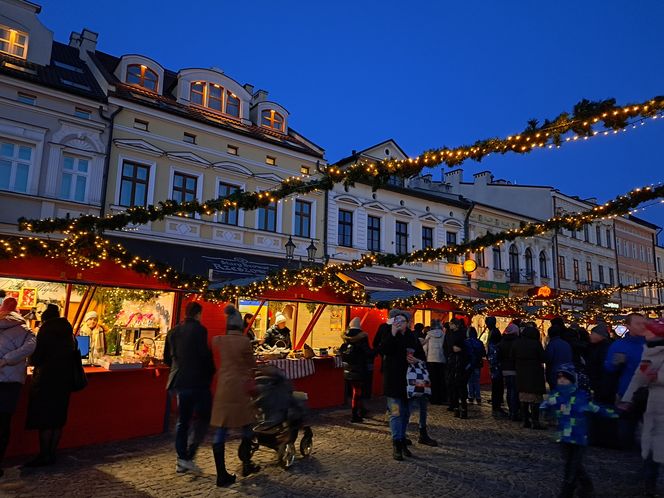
x: 426, y: 73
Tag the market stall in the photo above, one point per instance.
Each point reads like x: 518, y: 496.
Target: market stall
x: 120, y: 318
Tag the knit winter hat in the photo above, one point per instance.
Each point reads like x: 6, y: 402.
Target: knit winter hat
x: 395, y: 313
x: 233, y: 318
x: 511, y: 329
x: 568, y: 371
x: 355, y: 323
x: 8, y: 305
x: 280, y: 318
x: 601, y: 329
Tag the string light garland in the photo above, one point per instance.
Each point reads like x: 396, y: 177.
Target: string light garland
x: 588, y: 119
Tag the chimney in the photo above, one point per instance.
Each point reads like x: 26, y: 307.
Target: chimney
x: 426, y: 178
x: 249, y: 88
x: 259, y: 96
x: 353, y: 152
x: 454, y: 177
x: 74, y: 39
x: 591, y: 200
x: 85, y: 41
x: 483, y: 178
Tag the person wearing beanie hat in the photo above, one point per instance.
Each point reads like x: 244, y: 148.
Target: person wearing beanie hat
x: 508, y: 368
x: 356, y: 356
x: 600, y: 342
x: 571, y: 406
x: 278, y: 333
x: 187, y: 352
x: 17, y: 343
x: 232, y: 407
x: 557, y: 352
x: 97, y: 333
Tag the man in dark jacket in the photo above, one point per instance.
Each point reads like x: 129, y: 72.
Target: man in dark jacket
x: 600, y: 341
x: 558, y: 352
x: 510, y: 335
x: 187, y: 352
x: 458, y: 368
x: 399, y: 349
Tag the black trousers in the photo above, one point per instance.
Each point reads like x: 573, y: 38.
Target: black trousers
x: 437, y: 377
x: 497, y: 393
x: 575, y: 472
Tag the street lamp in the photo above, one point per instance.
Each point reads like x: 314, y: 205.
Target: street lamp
x: 290, y: 248
x: 311, y: 251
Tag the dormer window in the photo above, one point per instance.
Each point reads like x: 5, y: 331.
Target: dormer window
x: 13, y: 42
x: 141, y: 75
x: 272, y: 119
x: 215, y: 97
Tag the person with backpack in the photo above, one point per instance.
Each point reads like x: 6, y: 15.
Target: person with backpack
x: 476, y: 355
x: 356, y: 356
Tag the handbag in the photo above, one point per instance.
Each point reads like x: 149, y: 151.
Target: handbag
x: 79, y: 379
x: 418, y: 383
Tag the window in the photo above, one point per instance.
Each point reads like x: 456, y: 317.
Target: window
x: 15, y: 162
x: 401, y: 237
x: 451, y: 238
x: 267, y: 217
x: 612, y: 278
x: 272, y: 119
x: 598, y: 235
x: 514, y: 259
x: 544, y: 273
x: 13, y: 42
x: 479, y: 259
x: 497, y: 258
x: 305, y: 170
x: 138, y: 74
x: 373, y: 233
x: 272, y: 161
x: 184, y: 188
x: 134, y: 184
x: 575, y: 264
x: 608, y: 238
x: 345, y: 228
x: 82, y: 113
x: 139, y: 124
x: 208, y: 95
x: 562, y: 271
x: 589, y: 271
x: 228, y: 216
x: 232, y: 150
x: 74, y: 178
x: 427, y: 237
x: 302, y: 218
x: 586, y: 233
x: 190, y: 138
x: 600, y: 270
x: 659, y: 264
x: 232, y: 104
x: 528, y: 256
x: 26, y: 98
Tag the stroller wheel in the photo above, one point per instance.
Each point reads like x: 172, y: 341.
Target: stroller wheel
x: 286, y: 455
x: 306, y: 445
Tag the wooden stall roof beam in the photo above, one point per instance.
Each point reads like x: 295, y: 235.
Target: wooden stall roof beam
x: 314, y: 319
x: 78, y: 310
x: 253, y: 318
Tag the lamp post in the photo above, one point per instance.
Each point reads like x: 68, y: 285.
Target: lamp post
x: 290, y: 249
x: 311, y: 252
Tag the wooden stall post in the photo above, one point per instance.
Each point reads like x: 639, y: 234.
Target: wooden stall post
x: 253, y: 318
x: 67, y: 300
x: 297, y: 309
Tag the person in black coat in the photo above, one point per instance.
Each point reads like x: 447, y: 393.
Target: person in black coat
x: 600, y: 381
x: 510, y: 336
x: 528, y: 356
x: 188, y: 354
x: 356, y: 356
x: 458, y: 368
x: 52, y: 382
x: 399, y: 348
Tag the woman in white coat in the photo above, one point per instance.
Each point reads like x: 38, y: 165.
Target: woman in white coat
x: 433, y: 347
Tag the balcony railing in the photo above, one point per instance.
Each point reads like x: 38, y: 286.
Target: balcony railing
x: 520, y: 276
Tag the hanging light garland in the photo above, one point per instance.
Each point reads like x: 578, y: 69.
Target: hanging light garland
x: 588, y: 119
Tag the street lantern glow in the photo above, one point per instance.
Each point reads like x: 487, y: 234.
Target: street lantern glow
x: 469, y: 266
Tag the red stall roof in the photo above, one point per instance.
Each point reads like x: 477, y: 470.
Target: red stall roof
x: 107, y: 274
x: 300, y: 293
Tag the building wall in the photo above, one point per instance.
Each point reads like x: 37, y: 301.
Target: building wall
x: 659, y: 262
x: 636, y: 260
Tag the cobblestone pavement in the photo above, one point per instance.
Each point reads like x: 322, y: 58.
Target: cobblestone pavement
x: 477, y: 457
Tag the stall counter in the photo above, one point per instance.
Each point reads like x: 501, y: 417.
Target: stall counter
x: 114, y: 406
x: 326, y: 387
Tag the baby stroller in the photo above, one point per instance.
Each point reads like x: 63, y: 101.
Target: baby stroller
x: 282, y: 413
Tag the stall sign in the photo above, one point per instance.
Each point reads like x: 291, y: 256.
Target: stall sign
x: 27, y: 298
x: 498, y: 289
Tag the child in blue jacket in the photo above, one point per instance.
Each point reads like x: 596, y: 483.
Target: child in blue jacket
x: 571, y: 406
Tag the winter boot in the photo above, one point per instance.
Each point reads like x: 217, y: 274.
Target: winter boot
x: 244, y: 453
x: 356, y: 417
x: 535, y: 414
x: 407, y: 442
x: 425, y: 439
x: 223, y: 477
x: 457, y: 412
x: 397, y: 454
x: 463, y: 413
x: 404, y: 449
x: 526, y: 415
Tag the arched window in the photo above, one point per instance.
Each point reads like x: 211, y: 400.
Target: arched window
x: 528, y: 255
x: 514, y: 264
x: 272, y: 119
x: 232, y: 104
x: 542, y: 265
x: 138, y: 74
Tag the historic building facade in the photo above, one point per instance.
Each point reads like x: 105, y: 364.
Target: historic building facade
x: 53, y: 123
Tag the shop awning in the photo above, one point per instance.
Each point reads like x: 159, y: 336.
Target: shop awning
x: 388, y: 296
x: 377, y: 281
x: 459, y: 290
x: 236, y: 268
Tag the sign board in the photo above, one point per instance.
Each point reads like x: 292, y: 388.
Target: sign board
x: 498, y: 289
